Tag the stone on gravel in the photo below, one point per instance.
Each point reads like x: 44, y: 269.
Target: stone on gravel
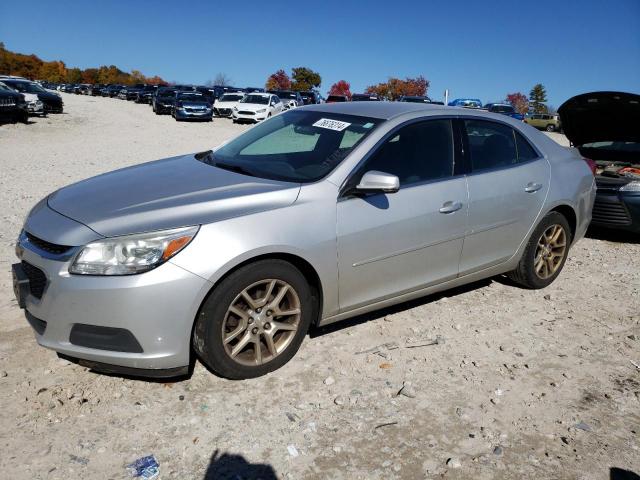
x: 329, y: 380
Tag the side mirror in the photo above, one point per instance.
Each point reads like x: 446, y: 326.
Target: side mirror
x: 374, y: 181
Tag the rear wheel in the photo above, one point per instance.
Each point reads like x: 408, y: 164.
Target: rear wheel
x: 545, y: 254
x: 255, y: 320
x: 550, y: 128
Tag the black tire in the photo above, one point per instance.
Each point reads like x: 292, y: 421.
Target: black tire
x: 525, y: 273
x: 550, y: 128
x: 208, y: 336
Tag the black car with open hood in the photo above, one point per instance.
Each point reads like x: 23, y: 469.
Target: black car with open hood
x: 605, y: 127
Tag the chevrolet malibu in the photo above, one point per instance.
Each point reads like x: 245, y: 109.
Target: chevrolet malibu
x: 313, y: 216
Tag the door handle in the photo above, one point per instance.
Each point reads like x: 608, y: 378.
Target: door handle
x: 450, y: 207
x: 532, y: 187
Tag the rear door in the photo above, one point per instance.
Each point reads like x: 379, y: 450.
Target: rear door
x: 393, y: 243
x: 508, y: 184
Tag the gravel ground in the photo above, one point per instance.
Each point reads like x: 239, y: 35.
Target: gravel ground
x: 520, y: 384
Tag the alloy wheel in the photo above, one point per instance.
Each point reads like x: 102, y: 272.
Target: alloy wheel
x: 550, y: 251
x: 261, y: 322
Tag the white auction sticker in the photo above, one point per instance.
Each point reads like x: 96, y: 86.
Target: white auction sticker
x: 336, y: 125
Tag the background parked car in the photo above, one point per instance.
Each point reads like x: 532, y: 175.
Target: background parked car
x: 364, y: 97
x: 223, y: 106
x: 310, y: 97
x: 504, y: 109
x: 466, y: 103
x: 191, y: 106
x: 337, y: 98
x: 145, y: 95
x: 112, y: 91
x: 13, y: 107
x: 51, y: 101
x: 289, y: 98
x: 255, y: 107
x: 544, y: 121
x: 605, y: 127
x: 414, y: 99
x: 163, y: 100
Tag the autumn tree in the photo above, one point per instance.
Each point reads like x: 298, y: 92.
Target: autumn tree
x: 53, y: 72
x: 394, y: 88
x: 74, y: 75
x: 278, y: 81
x: 304, y: 79
x: 538, y: 98
x: 90, y: 75
x: 341, y: 87
x: 518, y: 101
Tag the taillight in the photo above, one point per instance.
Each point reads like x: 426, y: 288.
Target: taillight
x: 592, y: 165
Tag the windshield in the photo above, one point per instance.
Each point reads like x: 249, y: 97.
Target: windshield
x: 258, y: 99
x: 287, y: 95
x: 26, y: 87
x: 191, y: 97
x: 166, y: 93
x: 296, y: 146
x: 416, y: 99
x: 231, y: 97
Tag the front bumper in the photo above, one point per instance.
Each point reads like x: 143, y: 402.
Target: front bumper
x: 53, y: 107
x: 617, y: 210
x: 90, y: 317
x: 193, y: 115
x: 249, y: 117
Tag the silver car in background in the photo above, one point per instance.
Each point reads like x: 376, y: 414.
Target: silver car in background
x: 313, y: 216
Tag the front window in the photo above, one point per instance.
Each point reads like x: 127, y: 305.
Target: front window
x: 190, y: 97
x: 256, y: 99
x: 231, y: 97
x: 297, y: 146
x: 417, y: 153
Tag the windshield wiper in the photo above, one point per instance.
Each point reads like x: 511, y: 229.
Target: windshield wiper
x: 234, y: 168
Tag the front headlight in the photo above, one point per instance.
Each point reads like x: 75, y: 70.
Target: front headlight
x: 235, y: 109
x: 631, y: 187
x: 131, y: 254
x: 262, y: 110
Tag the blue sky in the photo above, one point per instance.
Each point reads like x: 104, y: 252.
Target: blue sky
x: 479, y: 49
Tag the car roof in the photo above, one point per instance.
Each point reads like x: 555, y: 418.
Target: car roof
x: 381, y: 110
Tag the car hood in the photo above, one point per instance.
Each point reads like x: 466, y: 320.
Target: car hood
x: 251, y: 107
x: 225, y: 104
x: 49, y: 96
x: 194, y: 104
x: 601, y: 117
x: 169, y: 193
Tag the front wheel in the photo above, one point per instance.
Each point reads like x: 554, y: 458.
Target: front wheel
x: 545, y: 254
x: 550, y: 128
x: 255, y: 320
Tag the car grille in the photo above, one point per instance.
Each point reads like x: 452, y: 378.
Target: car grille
x: 47, y: 246
x: 224, y: 111
x: 37, y: 279
x: 7, y: 102
x: 609, y: 210
x: 241, y: 112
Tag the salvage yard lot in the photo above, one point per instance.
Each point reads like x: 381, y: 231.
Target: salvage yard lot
x: 521, y: 384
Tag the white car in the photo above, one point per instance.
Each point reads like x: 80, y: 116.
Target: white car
x: 34, y: 104
x: 256, y: 107
x: 223, y: 106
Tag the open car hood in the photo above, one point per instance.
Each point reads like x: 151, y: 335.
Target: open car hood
x: 601, y: 117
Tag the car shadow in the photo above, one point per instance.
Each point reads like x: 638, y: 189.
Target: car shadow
x: 612, y: 235
x: 228, y: 466
x: 620, y: 474
x: 400, y: 307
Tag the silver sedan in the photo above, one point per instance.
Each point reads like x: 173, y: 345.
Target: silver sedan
x: 316, y: 215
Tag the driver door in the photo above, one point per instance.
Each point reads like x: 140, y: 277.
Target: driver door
x: 393, y: 243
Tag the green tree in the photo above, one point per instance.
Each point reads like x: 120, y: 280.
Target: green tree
x: 304, y: 79
x: 538, y: 98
